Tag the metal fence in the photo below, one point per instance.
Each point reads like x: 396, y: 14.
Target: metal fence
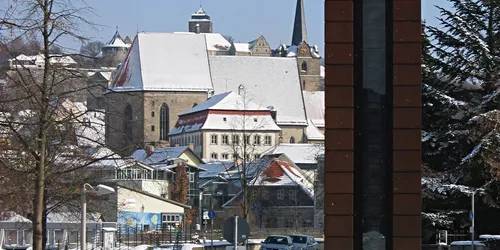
x: 131, y: 236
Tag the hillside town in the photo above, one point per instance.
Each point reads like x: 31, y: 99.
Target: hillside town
x: 154, y: 125
x: 156, y: 115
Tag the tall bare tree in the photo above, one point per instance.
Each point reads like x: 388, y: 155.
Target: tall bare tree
x: 47, y: 141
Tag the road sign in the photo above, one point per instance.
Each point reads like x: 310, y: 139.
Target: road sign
x: 243, y: 230
x: 471, y: 215
x: 211, y: 214
x: 256, y: 208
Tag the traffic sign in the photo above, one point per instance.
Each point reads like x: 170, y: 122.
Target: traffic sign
x: 256, y: 208
x: 211, y: 214
x: 243, y: 230
x: 471, y: 215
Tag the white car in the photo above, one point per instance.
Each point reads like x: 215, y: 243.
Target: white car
x: 303, y: 242
x: 184, y: 246
x: 277, y: 242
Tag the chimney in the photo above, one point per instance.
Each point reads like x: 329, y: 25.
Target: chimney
x: 149, y: 150
x: 191, y: 146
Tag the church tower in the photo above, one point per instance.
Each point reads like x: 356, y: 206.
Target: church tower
x: 200, y: 22
x: 308, y: 59
x: 299, y: 26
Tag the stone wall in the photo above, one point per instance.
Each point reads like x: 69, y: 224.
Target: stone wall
x: 310, y: 79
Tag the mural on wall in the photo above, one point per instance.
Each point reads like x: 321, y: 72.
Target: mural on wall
x: 137, y: 220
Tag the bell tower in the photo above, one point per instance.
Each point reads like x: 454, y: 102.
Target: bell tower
x: 200, y: 22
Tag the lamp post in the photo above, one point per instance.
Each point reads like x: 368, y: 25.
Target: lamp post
x: 474, y: 216
x: 98, y: 190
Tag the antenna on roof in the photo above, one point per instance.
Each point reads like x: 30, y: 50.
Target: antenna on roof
x: 117, y: 28
x: 137, y: 28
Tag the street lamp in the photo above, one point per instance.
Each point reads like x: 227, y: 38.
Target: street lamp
x: 474, y: 215
x: 87, y: 188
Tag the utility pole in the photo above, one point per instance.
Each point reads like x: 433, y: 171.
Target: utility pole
x: 235, y: 232
x: 473, y: 218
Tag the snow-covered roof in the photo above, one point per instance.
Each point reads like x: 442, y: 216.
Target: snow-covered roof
x: 200, y: 15
x: 313, y: 133
x: 89, y: 125
x: 217, y: 42
x: 117, y: 41
x: 242, y: 47
x: 315, y: 107
x: 268, y: 81
x: 226, y: 101
x: 246, y: 116
x: 39, y: 59
x: 106, y: 75
x: 292, y: 50
x: 232, y: 122
x: 281, y: 173
x: 159, y: 154
x: 165, y: 62
x: 299, y: 153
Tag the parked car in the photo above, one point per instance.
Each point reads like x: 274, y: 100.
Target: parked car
x: 183, y: 246
x: 303, y: 242
x: 277, y: 242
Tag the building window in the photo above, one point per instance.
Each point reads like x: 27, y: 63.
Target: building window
x: 214, y: 140
x: 225, y: 140
x: 247, y: 139
x: 304, y: 67
x: 214, y: 156
x: 152, y: 114
x: 256, y: 140
x: 170, y: 221
x: 292, y: 139
x: 247, y: 158
x: 152, y: 128
x: 225, y: 156
x: 164, y: 122
x: 292, y: 194
x: 128, y: 122
x: 281, y: 194
x: 267, y: 140
x: 257, y: 156
x: 236, y: 139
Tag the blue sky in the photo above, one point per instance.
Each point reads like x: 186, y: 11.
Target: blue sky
x: 243, y: 20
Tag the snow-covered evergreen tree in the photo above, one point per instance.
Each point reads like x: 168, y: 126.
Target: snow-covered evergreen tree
x: 461, y: 141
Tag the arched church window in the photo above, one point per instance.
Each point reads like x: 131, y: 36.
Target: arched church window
x: 304, y: 66
x: 292, y: 139
x: 127, y: 123
x: 164, y: 122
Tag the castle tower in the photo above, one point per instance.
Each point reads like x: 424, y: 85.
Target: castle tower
x: 115, y: 50
x: 299, y: 27
x: 200, y: 22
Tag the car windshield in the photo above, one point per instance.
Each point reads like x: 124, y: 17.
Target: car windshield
x: 299, y: 239
x: 276, y: 240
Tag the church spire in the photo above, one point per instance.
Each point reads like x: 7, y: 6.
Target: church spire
x: 299, y: 26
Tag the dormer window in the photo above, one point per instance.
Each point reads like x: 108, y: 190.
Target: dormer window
x: 255, y: 119
x: 224, y: 119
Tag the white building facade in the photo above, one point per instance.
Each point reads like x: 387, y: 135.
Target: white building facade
x: 226, y: 127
